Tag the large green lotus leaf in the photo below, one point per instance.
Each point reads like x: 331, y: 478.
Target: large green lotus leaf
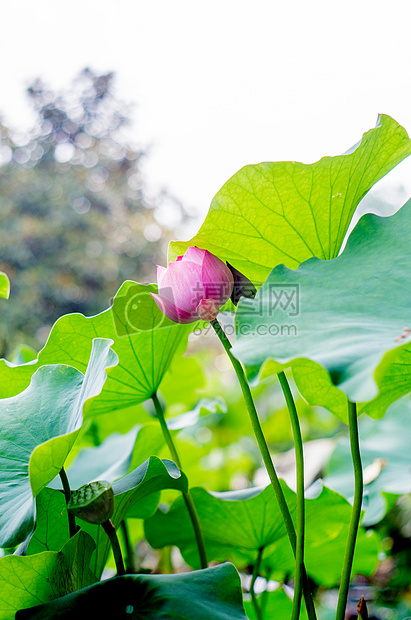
x: 350, y: 316
x: 135, y: 495
x: 211, y: 593
x: 287, y: 212
x: 37, y: 430
x: 144, y: 340
x: 52, y: 530
x: 385, y: 453
x: 4, y: 286
x: 236, y: 525
x: 33, y: 579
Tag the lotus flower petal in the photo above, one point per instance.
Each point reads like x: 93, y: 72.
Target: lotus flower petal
x: 160, y: 273
x: 172, y: 311
x: 195, y: 255
x: 182, y: 285
x: 217, y: 279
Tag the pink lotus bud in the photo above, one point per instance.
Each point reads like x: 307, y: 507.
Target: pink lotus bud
x: 193, y: 287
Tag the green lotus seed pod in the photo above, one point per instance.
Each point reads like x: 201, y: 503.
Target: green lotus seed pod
x: 93, y: 502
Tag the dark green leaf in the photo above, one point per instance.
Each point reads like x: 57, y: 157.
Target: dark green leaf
x: 243, y: 287
x: 213, y: 593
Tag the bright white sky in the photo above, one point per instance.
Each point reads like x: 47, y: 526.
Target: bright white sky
x: 222, y: 83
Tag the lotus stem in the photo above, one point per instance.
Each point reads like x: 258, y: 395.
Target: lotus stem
x: 110, y: 530
x: 299, y: 459
x: 356, y: 510
x: 67, y: 495
x: 192, y: 511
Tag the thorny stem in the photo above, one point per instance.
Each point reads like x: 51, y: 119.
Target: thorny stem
x: 192, y: 511
x: 67, y: 495
x: 299, y: 459
x: 275, y: 483
x: 356, y: 510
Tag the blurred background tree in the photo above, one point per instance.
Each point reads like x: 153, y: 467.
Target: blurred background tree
x: 76, y: 219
